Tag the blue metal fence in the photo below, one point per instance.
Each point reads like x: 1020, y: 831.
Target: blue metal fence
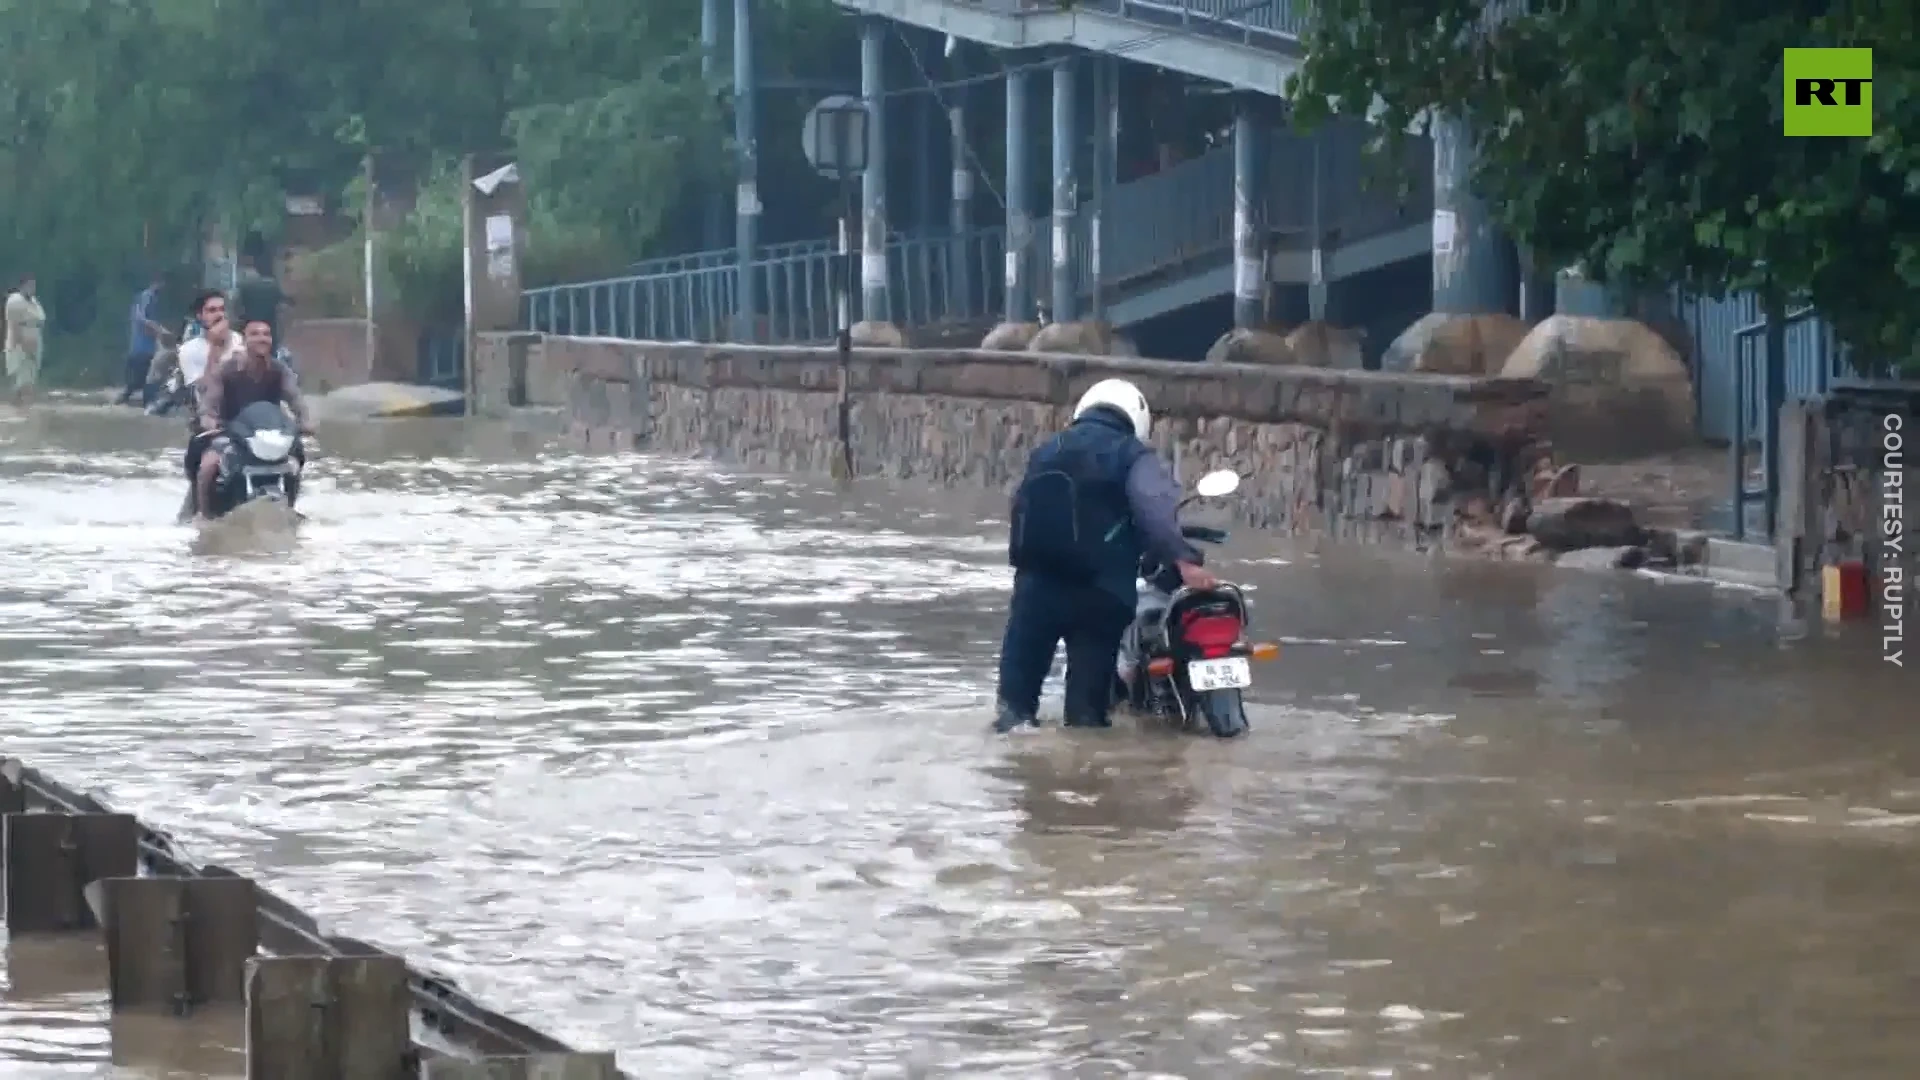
x: 1156, y: 227
x: 934, y: 279
x: 1730, y: 332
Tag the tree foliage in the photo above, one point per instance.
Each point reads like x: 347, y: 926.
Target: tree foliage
x: 131, y: 126
x: 1642, y: 139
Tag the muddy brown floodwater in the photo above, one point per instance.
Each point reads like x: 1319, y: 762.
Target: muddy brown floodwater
x: 694, y: 764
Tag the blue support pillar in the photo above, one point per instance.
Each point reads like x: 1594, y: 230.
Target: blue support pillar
x: 1065, y: 192
x: 715, y: 231
x: 873, y: 186
x: 746, y: 207
x: 1106, y: 163
x: 1019, y: 192
x: 1473, y: 271
x: 1249, y: 205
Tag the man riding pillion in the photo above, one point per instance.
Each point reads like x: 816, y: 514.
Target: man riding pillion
x: 215, y: 345
x: 231, y: 386
x: 1094, y: 498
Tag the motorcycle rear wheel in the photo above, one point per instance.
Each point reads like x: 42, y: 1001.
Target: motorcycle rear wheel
x: 1223, y: 712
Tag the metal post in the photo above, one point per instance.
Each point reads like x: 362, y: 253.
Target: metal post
x: 1064, y: 191
x: 1106, y: 123
x: 746, y: 204
x: 1249, y: 232
x: 369, y: 263
x: 843, y: 323
x: 1538, y: 290
x: 716, y: 209
x: 873, y: 192
x: 1316, y: 222
x: 1019, y: 192
x: 930, y: 124
x: 960, y: 273
x: 1473, y: 273
x: 1774, y: 396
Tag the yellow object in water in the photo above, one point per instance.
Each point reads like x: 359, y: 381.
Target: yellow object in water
x: 389, y: 401
x: 1830, y: 594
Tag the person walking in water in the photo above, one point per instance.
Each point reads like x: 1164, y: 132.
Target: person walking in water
x: 24, y: 321
x: 144, y: 339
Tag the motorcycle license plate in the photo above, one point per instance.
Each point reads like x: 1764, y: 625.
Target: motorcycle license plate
x: 1228, y: 673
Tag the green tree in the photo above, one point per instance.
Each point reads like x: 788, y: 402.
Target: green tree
x: 1642, y: 138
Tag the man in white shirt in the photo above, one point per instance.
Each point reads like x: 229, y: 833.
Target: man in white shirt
x: 203, y: 352
x: 207, y: 352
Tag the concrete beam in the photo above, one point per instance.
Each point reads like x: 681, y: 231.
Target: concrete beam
x: 1236, y: 64
x: 1287, y: 268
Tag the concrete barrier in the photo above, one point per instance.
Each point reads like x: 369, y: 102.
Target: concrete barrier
x: 180, y: 936
x: 1359, y: 455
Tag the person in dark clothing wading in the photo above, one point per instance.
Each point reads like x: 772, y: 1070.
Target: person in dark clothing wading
x: 1094, y: 498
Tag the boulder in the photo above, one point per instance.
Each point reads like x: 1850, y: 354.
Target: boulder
x: 1319, y: 344
x: 1087, y: 338
x: 1568, y: 524
x: 1676, y: 547
x: 1524, y: 549
x: 1455, y: 344
x: 1619, y: 390
x: 1605, y: 558
x: 1010, y: 337
x: 876, y: 335
x: 1250, y: 347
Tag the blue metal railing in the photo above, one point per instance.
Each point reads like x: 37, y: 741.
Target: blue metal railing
x: 1157, y: 226
x: 1281, y: 22
x: 1732, y: 394
x: 1287, y: 21
x: 1725, y: 334
x: 933, y: 280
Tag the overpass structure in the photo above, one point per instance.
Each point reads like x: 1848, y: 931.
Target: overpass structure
x: 1286, y: 225
x: 1029, y: 115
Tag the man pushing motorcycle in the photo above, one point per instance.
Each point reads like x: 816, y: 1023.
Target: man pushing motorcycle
x: 1094, y: 498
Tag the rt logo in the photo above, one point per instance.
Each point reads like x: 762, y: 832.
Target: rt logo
x: 1829, y: 92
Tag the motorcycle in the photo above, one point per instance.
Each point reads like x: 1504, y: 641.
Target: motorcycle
x: 1185, y: 659
x: 263, y: 459
x: 171, y: 393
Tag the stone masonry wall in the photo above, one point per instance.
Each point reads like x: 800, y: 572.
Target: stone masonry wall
x: 1845, y: 495
x: 1366, y: 456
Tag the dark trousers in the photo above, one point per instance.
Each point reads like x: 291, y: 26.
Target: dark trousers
x: 135, y: 379
x: 1045, y: 611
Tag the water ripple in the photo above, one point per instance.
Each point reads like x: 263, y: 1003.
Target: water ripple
x: 692, y: 763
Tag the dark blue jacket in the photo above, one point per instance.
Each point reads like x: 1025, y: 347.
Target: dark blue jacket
x: 1072, y: 518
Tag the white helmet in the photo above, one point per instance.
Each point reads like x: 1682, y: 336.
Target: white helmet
x: 1118, y: 394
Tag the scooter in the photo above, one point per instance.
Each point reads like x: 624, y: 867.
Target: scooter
x: 1185, y: 659
x: 264, y: 459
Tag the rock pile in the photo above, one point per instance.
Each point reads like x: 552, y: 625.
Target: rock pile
x: 1548, y: 520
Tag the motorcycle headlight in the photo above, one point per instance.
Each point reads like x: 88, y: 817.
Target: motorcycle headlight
x: 267, y: 446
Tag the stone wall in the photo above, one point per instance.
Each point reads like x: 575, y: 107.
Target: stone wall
x: 1846, y: 497
x: 1359, y: 455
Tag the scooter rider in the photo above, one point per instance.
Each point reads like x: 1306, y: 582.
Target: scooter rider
x: 235, y: 383
x: 1095, y: 497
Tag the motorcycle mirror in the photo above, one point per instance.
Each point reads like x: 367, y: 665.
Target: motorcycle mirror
x: 1215, y: 484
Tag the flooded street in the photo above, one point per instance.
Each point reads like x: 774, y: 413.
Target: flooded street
x: 694, y: 765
